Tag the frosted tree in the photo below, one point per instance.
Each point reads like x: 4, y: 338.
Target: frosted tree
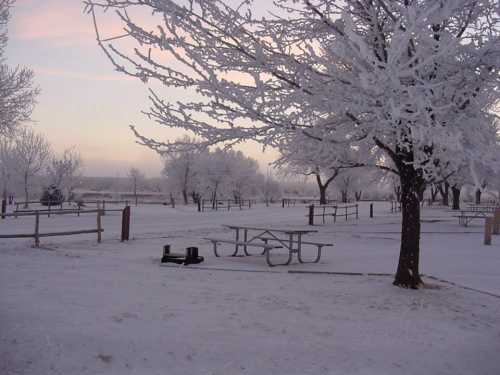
x: 271, y: 189
x: 63, y: 170
x: 137, y: 178
x: 31, y: 151
x: 416, y: 80
x: 180, y: 170
x: 17, y: 90
x: 303, y: 154
x: 7, y: 165
x: 244, y: 175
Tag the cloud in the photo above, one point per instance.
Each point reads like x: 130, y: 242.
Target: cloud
x: 61, y: 21
x: 34, y: 20
x: 82, y: 76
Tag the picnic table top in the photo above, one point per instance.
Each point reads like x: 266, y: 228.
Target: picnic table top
x: 476, y: 211
x: 289, y: 231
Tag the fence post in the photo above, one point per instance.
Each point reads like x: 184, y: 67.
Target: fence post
x: 282, y: 203
x: 496, y: 221
x: 488, y: 223
x: 345, y: 213
x: 371, y: 210
x: 357, y: 212
x: 99, y: 226
x: 37, y: 229
x: 103, y: 208
x: 125, y: 224
x: 199, y: 204
x: 311, y: 214
x: 48, y: 212
x: 4, y: 208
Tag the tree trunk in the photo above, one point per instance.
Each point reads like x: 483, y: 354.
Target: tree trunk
x: 26, y: 193
x: 445, y: 193
x: 455, y: 191
x: 434, y: 191
x: 421, y: 192
x: 397, y: 193
x: 478, y: 196
x: 322, y: 194
x: 344, y: 195
x: 185, y: 196
x: 358, y: 195
x: 407, y: 274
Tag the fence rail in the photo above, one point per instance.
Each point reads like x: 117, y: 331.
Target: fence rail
x: 37, y: 235
x: 287, y: 202
x: 335, y: 211
x: 224, y: 204
x: 64, y: 211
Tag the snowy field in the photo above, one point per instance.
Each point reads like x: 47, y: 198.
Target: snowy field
x: 78, y: 307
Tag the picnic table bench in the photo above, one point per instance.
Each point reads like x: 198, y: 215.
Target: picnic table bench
x: 474, y: 212
x: 261, y: 237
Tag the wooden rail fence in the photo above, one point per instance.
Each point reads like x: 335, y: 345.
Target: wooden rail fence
x: 224, y: 204
x: 325, y: 210
x: 37, y: 234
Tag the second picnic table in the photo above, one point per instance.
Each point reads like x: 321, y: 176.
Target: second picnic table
x: 249, y: 236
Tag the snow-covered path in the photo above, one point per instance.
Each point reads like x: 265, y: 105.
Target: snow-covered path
x: 75, y: 307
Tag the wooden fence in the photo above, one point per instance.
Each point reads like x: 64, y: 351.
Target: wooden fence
x: 224, y: 204
x: 335, y: 211
x: 395, y: 206
x: 287, y: 202
x: 37, y: 234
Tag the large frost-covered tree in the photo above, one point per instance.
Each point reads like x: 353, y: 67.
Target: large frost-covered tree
x: 416, y: 80
x: 31, y: 151
x: 17, y: 90
x: 63, y: 170
x: 7, y: 165
x: 181, y: 171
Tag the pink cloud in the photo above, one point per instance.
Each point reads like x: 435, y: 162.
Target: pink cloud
x: 83, y: 76
x: 56, y: 20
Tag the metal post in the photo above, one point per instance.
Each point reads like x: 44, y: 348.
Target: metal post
x: 37, y: 229
x: 99, y: 226
x: 371, y: 210
x: 103, y: 207
x: 199, y: 205
x: 125, y: 224
x: 357, y: 212
x: 4, y: 208
x: 311, y: 214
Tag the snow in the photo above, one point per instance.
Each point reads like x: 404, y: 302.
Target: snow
x: 78, y: 307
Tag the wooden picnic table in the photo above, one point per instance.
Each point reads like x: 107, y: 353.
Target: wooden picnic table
x: 269, y: 239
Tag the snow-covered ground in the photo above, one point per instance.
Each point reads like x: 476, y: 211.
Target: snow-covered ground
x: 78, y: 307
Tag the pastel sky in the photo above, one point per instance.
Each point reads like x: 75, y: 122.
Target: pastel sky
x: 84, y: 103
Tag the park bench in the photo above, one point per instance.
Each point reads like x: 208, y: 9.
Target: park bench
x: 244, y: 244
x: 319, y: 246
